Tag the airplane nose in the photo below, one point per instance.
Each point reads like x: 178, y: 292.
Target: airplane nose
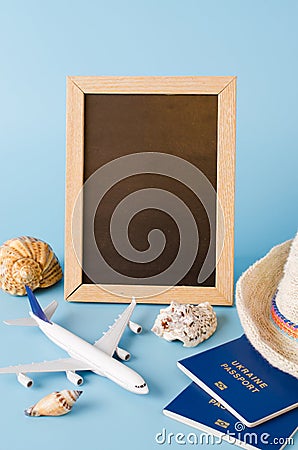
x: 145, y: 390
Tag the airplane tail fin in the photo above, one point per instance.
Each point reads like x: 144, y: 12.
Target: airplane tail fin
x: 35, y: 306
x: 30, y: 321
x: 24, y: 322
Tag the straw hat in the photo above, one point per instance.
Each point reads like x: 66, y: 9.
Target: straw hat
x: 267, y: 304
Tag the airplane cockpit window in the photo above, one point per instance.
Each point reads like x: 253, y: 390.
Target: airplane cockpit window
x: 140, y: 386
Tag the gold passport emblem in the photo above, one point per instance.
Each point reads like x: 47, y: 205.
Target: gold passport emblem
x: 221, y: 385
x: 222, y: 423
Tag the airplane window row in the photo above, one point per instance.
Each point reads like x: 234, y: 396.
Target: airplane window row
x: 141, y: 385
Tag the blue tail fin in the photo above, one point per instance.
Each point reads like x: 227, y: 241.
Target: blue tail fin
x: 35, y: 306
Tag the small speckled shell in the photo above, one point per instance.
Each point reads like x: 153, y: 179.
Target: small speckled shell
x: 190, y: 324
x: 26, y: 260
x: 55, y: 404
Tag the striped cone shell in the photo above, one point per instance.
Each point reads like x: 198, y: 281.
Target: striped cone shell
x: 55, y: 404
x: 27, y: 261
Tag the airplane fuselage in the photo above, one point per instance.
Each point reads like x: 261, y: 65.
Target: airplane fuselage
x: 96, y: 360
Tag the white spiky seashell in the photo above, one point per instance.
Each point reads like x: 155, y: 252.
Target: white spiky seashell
x: 27, y: 261
x: 54, y: 404
x: 190, y: 324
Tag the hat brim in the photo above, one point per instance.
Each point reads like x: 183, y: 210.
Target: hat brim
x: 254, y: 292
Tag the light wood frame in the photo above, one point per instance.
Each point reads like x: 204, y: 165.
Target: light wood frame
x: 225, y: 88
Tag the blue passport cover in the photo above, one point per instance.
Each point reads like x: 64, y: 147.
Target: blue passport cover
x: 196, y: 408
x: 243, y: 381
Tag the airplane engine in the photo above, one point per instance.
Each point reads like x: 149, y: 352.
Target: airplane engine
x: 135, y: 327
x: 74, y: 378
x: 24, y: 380
x: 122, y: 354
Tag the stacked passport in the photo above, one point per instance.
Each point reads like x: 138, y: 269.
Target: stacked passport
x: 238, y: 396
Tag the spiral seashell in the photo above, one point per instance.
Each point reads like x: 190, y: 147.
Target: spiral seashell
x: 27, y: 261
x: 55, y: 404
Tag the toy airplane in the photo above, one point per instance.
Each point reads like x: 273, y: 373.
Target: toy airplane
x: 97, y: 358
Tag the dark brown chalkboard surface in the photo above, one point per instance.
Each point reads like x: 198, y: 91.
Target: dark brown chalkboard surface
x: 181, y: 125
x: 184, y: 119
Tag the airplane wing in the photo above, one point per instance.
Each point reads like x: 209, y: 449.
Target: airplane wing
x: 109, y: 341
x: 57, y: 365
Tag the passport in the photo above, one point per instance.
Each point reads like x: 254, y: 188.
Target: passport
x: 247, y: 385
x: 194, y: 407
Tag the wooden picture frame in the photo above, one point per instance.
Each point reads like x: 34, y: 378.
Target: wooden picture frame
x: 224, y: 88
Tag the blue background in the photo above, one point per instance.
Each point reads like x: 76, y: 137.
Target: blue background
x: 42, y: 43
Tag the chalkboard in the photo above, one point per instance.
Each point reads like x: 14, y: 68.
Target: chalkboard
x: 150, y: 189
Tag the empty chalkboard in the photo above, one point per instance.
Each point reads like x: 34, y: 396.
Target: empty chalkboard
x: 150, y: 189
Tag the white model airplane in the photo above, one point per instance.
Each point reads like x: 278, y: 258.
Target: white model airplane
x: 97, y: 358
